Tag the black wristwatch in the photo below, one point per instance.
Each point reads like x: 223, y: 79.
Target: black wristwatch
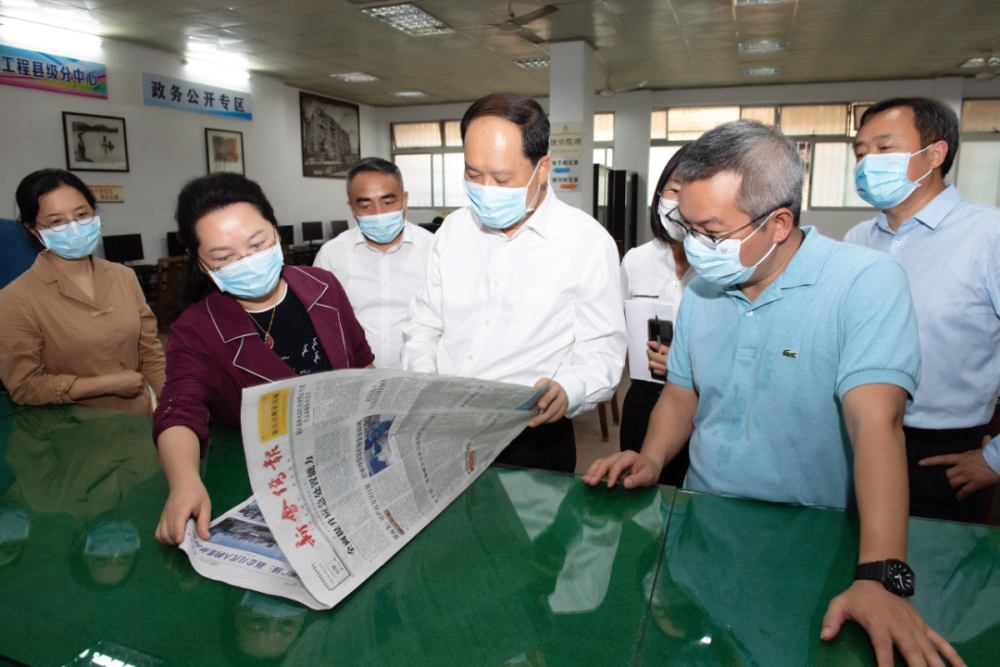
x: 895, y: 575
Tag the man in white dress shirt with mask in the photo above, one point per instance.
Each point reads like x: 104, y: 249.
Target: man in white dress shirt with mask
x: 521, y: 287
x: 382, y: 262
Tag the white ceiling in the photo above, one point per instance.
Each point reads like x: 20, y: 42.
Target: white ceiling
x: 669, y: 43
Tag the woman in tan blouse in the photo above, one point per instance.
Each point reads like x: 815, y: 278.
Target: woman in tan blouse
x: 74, y: 327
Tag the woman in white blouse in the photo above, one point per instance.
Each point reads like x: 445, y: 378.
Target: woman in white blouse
x: 659, y: 271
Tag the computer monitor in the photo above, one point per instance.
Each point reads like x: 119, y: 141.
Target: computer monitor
x: 312, y: 231
x: 339, y: 227
x: 174, y: 246
x: 287, y: 234
x: 123, y: 248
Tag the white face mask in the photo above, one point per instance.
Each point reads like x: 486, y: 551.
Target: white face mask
x: 673, y: 231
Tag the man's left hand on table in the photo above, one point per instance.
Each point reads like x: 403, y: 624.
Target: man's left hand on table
x: 890, y: 621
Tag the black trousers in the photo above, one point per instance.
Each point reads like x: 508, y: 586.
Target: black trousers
x: 931, y: 495
x: 546, y: 447
x: 636, y: 408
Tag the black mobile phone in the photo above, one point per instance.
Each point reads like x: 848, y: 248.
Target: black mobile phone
x: 665, y: 328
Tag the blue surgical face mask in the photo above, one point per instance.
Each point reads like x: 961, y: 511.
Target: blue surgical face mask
x: 880, y: 179
x: 74, y: 240
x: 497, y: 207
x: 382, y: 228
x: 14, y: 524
x: 251, y: 277
x: 112, y: 538
x: 266, y: 605
x: 721, y: 265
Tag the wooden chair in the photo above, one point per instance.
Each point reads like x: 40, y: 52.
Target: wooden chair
x: 168, y: 274
x: 603, y: 415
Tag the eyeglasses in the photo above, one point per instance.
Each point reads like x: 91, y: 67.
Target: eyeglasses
x: 710, y: 240
x: 63, y: 226
x: 228, y: 262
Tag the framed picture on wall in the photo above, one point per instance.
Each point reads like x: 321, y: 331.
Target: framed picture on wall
x: 331, y: 136
x: 224, y: 151
x: 95, y: 143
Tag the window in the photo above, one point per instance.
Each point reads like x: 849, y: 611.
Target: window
x: 821, y: 132
x: 430, y: 156
x: 605, y: 156
x: 813, y: 120
x: 604, y: 127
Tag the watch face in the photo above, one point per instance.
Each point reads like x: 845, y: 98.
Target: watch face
x: 899, y: 578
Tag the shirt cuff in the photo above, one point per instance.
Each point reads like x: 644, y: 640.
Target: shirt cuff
x: 991, y: 452
x: 878, y: 376
x: 61, y: 385
x: 673, y: 378
x: 576, y: 391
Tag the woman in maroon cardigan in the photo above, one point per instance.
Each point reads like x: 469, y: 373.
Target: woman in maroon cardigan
x: 248, y: 320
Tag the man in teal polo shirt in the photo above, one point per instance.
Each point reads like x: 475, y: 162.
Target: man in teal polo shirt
x: 792, y: 363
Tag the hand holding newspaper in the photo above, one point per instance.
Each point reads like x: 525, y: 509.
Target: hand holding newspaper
x: 346, y: 467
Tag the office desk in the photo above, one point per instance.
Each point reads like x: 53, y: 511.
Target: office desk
x: 524, y: 568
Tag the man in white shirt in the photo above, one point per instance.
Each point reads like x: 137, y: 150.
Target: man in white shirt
x: 521, y: 287
x: 382, y: 262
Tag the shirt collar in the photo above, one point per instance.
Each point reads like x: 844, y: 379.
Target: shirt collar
x: 807, y: 263
x: 541, y: 221
x: 930, y: 216
x: 49, y: 274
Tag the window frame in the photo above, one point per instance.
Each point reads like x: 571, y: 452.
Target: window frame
x: 426, y: 150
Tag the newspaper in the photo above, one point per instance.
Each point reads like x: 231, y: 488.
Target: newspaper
x: 346, y: 467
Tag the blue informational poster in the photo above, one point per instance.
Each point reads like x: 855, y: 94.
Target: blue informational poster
x: 166, y: 91
x: 58, y: 74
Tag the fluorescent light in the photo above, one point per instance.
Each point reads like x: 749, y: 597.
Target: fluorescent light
x: 759, y: 2
x: 410, y: 19
x: 974, y: 62
x: 762, y: 47
x: 533, y: 63
x: 43, y: 37
x: 994, y: 61
x: 215, y: 72
x: 763, y: 71
x: 355, y: 77
x: 409, y: 93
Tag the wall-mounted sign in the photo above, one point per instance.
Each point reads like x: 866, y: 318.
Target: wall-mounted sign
x: 108, y: 193
x: 566, y: 140
x: 565, y: 173
x: 58, y: 74
x: 165, y: 91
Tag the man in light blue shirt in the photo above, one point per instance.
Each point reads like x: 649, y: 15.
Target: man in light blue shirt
x: 792, y: 362
x: 950, y: 248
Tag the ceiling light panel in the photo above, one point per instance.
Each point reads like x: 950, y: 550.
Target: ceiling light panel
x: 409, y: 93
x: 759, y: 2
x: 762, y: 47
x: 974, y: 62
x: 533, y: 63
x: 410, y: 19
x: 355, y: 77
x: 763, y: 71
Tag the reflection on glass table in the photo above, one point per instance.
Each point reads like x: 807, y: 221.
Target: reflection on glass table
x: 523, y: 569
x: 744, y: 582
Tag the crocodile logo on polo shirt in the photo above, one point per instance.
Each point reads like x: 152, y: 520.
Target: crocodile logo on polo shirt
x: 788, y: 353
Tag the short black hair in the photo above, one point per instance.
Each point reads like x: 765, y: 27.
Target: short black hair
x: 375, y: 164
x: 654, y: 213
x: 521, y: 110
x: 39, y: 183
x: 197, y: 199
x: 934, y: 120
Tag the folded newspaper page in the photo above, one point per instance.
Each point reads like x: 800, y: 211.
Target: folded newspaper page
x: 346, y: 467
x: 243, y: 552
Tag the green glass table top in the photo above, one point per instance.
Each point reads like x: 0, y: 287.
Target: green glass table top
x: 9, y: 408
x: 524, y: 568
x: 744, y: 582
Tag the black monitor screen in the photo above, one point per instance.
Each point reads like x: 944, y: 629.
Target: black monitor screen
x: 123, y: 248
x: 174, y: 246
x: 287, y: 234
x: 312, y: 231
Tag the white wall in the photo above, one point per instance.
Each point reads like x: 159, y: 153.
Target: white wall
x: 167, y: 147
